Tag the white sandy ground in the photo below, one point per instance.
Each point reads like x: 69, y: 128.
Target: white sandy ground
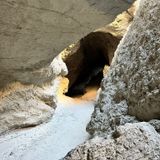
x: 52, y: 140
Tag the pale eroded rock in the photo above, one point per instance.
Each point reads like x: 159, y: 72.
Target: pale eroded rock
x: 131, y: 142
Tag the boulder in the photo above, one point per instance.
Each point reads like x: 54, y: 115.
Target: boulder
x: 131, y: 141
x: 130, y: 91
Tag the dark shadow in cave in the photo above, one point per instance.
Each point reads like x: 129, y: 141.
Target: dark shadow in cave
x: 89, y: 57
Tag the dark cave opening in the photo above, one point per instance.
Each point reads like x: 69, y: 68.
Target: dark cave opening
x: 80, y: 87
x: 87, y: 61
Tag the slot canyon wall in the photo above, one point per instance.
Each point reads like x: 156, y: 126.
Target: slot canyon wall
x: 32, y: 33
x: 125, y: 123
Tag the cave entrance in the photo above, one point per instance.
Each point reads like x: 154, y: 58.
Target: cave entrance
x: 86, y: 59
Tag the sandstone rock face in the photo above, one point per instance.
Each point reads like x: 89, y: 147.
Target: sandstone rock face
x: 132, y: 141
x: 32, y: 33
x: 131, y: 89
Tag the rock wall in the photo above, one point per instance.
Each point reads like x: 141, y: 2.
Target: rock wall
x: 129, y: 93
x: 32, y: 33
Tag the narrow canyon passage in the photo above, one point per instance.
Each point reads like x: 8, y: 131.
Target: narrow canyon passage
x: 67, y: 128
x: 77, y: 84
x: 87, y: 61
x: 52, y: 140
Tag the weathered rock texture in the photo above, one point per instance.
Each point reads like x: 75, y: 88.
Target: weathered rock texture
x: 133, y: 141
x: 89, y: 56
x: 131, y: 88
x: 29, y: 105
x: 32, y: 33
x: 24, y: 107
x: 129, y: 93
